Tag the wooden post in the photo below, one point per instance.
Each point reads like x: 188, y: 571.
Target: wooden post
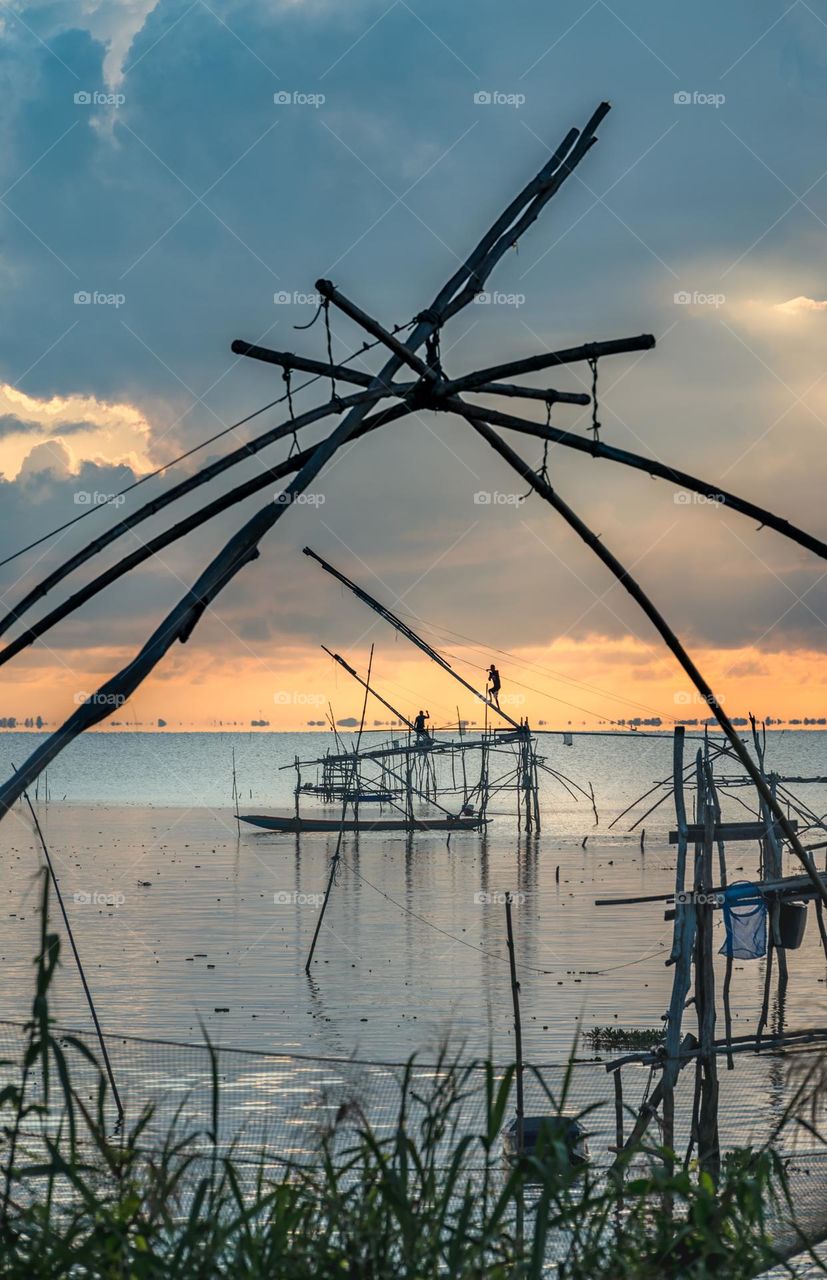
x: 722, y: 880
x: 334, y: 864
x: 235, y: 796
x: 707, y: 1067
x: 683, y: 937
x: 518, y: 1056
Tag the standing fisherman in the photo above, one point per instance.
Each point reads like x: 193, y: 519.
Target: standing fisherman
x: 494, y: 685
x: 419, y: 726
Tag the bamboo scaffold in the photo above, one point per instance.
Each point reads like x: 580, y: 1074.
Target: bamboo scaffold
x: 524, y: 780
x: 430, y: 388
x: 764, y: 920
x: 421, y: 767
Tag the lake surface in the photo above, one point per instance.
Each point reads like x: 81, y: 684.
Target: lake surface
x: 187, y: 925
x: 178, y: 916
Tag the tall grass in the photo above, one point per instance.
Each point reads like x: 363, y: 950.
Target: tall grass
x: 422, y: 1199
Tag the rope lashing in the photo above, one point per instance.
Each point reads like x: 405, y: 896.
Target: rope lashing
x: 595, y: 427
x: 334, y: 395
x: 542, y: 471
x: 294, y: 447
x: 433, y: 356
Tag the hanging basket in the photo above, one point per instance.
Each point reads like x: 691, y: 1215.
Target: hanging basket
x: 792, y: 921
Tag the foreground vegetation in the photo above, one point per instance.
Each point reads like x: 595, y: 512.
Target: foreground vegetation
x: 423, y: 1200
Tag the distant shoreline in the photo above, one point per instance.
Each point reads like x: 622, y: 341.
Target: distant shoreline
x: 665, y: 731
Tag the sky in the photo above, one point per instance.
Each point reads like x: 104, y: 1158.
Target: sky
x: 176, y: 175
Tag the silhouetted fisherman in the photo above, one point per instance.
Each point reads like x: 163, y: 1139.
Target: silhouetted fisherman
x: 419, y: 725
x: 494, y: 685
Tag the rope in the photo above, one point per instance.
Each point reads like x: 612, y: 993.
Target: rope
x: 595, y: 427
x: 334, y: 395
x: 294, y: 447
x: 542, y: 472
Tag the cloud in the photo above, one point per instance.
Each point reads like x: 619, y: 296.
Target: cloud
x: 800, y: 306
x: 110, y: 433
x: 52, y: 456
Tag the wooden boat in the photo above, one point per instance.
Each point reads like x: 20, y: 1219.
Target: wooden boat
x: 281, y: 822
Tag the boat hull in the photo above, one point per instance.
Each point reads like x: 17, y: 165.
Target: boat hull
x: 278, y: 822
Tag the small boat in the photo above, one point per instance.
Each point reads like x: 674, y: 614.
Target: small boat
x: 281, y: 822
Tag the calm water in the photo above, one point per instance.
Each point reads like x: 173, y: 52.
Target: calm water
x: 177, y: 916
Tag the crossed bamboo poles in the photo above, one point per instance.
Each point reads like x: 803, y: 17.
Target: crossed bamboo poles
x: 431, y: 390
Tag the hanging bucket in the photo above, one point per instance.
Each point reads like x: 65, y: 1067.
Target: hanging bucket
x: 745, y: 920
x: 792, y: 921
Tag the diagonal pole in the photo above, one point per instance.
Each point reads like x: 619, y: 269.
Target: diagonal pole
x: 540, y: 486
x: 408, y: 632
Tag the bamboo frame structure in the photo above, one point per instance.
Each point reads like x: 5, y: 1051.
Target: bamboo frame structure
x: 433, y: 391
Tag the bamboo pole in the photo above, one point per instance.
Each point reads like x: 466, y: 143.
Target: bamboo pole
x: 723, y: 877
x: 288, y: 360
x: 365, y: 685
x: 518, y: 1053
x: 547, y: 395
x: 551, y: 360
x: 708, y: 1142
x: 405, y: 630
x: 683, y: 938
x: 650, y: 466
